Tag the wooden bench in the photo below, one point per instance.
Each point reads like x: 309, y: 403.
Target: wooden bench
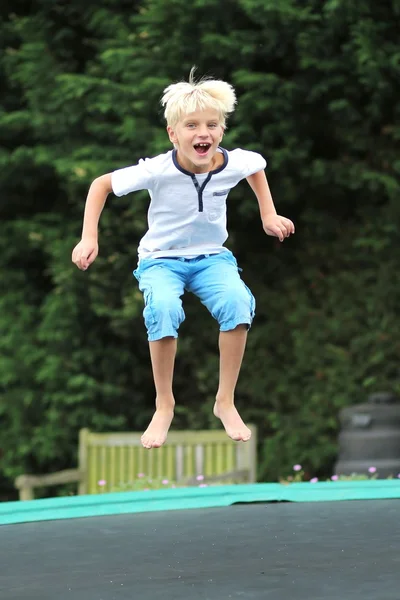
x: 116, y: 459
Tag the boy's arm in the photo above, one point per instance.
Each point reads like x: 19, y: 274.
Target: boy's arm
x: 86, y: 251
x: 273, y: 224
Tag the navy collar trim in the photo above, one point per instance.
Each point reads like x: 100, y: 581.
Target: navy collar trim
x: 182, y: 170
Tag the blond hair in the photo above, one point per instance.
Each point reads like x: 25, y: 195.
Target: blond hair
x: 180, y: 99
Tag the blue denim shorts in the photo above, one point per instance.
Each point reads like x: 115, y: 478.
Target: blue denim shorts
x: 214, y: 278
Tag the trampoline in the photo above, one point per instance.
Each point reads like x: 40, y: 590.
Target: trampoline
x: 327, y: 541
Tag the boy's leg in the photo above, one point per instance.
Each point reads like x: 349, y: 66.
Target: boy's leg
x: 217, y: 283
x: 231, y: 348
x: 162, y: 354
x: 162, y: 284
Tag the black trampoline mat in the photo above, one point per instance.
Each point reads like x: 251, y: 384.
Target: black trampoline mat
x: 288, y: 551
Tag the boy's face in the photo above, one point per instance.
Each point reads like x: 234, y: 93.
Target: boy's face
x: 196, y: 138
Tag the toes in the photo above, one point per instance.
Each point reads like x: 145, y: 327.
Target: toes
x: 146, y: 443
x: 151, y: 443
x: 246, y: 435
x: 239, y: 436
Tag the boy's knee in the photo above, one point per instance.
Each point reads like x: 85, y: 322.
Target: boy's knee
x: 235, y: 307
x: 163, y: 312
x: 165, y: 305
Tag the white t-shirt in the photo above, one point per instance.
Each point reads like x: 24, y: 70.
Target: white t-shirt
x: 187, y: 212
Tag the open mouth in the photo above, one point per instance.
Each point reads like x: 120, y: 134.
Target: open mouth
x: 202, y: 149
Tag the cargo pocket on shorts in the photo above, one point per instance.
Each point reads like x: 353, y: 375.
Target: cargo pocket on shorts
x: 252, y: 300
x: 148, y: 313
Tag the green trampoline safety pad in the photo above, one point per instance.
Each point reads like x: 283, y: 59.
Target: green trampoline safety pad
x: 72, y: 507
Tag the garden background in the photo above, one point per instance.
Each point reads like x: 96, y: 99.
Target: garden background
x: 318, y: 87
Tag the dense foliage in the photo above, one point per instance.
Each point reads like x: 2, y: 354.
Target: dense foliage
x: 319, y: 93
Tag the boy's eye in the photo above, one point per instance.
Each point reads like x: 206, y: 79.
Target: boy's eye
x: 212, y: 125
x: 191, y: 125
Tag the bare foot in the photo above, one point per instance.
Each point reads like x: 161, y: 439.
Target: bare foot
x: 232, y: 421
x: 156, y: 433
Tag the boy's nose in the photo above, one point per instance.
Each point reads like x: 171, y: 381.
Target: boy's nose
x: 203, y: 131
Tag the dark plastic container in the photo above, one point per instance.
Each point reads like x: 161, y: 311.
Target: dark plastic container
x: 370, y: 437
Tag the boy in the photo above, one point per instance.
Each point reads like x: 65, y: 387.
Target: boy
x: 183, y: 247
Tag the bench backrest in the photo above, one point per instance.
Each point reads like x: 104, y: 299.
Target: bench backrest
x: 116, y: 459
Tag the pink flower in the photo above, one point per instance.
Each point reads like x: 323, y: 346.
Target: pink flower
x: 297, y: 468
x: 203, y: 485
x: 314, y: 480
x: 102, y: 482
x: 335, y: 477
x: 165, y: 481
x: 372, y: 470
x: 200, y: 477
x: 140, y: 475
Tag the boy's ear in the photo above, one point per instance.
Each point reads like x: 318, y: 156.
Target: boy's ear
x: 172, y: 135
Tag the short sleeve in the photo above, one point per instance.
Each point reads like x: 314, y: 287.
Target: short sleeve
x: 132, y: 179
x: 252, y: 162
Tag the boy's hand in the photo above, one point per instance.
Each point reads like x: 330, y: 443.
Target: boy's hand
x: 277, y: 226
x: 85, y: 253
